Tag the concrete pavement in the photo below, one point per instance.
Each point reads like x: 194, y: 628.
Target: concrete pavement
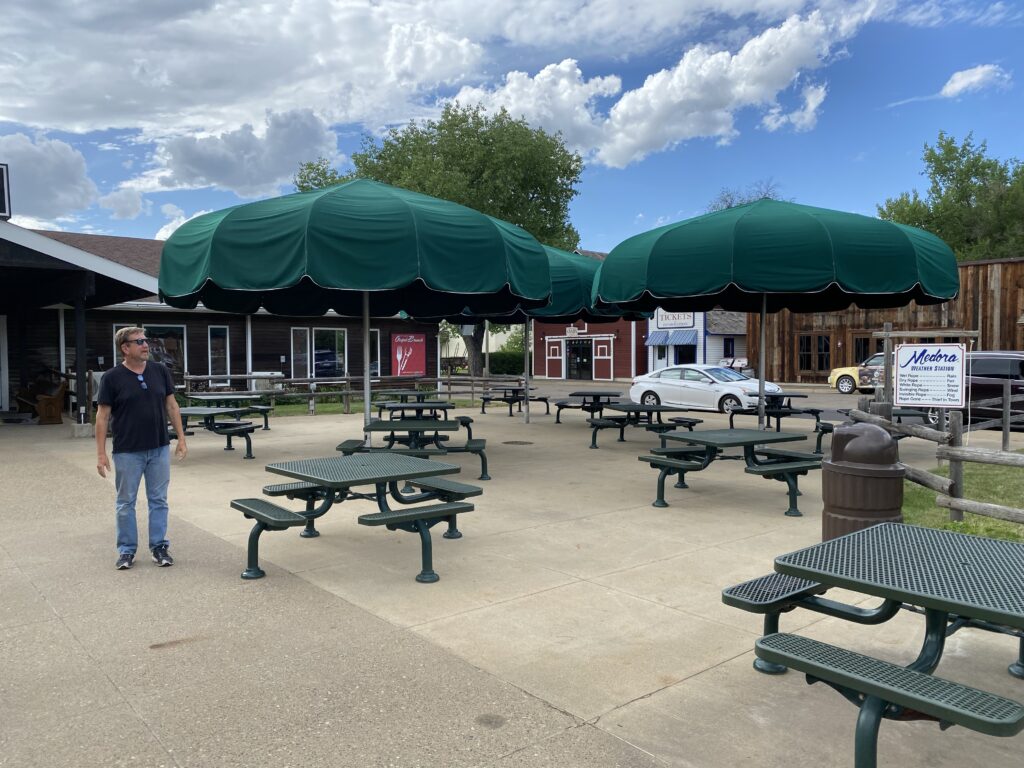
x: 574, y: 624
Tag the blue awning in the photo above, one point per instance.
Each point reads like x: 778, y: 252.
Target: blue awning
x: 657, y: 338
x: 683, y: 338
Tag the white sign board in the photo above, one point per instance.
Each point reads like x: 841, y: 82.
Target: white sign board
x: 930, y: 375
x: 664, y: 319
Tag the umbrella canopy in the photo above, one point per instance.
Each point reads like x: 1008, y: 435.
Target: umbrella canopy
x: 356, y: 248
x: 307, y: 253
x: 782, y: 255
x: 572, y: 287
x: 773, y: 255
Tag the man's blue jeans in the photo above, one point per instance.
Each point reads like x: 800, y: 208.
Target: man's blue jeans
x: 130, y: 468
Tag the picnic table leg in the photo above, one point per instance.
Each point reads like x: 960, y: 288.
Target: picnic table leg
x: 866, y: 736
x: 790, y: 480
x: 593, y: 438
x: 252, y: 566
x: 426, y: 574
x: 310, y: 531
x: 622, y: 433
x: 1017, y: 668
x: 453, y: 532
x: 660, y: 501
x: 771, y: 626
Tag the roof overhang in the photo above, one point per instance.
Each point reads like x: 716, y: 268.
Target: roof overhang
x: 38, y: 271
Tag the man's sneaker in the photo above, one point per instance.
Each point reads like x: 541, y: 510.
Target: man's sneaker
x: 162, y: 557
x: 125, y: 561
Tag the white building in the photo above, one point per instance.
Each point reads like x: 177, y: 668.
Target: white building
x: 674, y: 338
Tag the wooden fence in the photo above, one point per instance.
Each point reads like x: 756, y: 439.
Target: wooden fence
x: 950, y: 448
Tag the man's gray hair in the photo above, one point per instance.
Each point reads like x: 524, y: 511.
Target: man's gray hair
x: 124, y: 334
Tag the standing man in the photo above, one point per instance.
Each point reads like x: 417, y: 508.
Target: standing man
x: 137, y: 399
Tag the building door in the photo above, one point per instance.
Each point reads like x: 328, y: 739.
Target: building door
x: 579, y: 359
x: 5, y: 380
x: 685, y: 354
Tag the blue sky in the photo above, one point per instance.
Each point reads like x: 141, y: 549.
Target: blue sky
x: 129, y: 118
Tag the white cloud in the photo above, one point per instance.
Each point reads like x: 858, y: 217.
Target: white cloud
x: 124, y: 203
x: 975, y: 79
x: 803, y: 119
x: 48, y: 177
x: 699, y: 97
x: 243, y: 161
x: 966, y: 81
x: 176, y: 218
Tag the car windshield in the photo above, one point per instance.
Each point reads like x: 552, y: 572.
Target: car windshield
x: 725, y: 374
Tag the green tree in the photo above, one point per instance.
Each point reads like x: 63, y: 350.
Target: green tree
x: 766, y: 189
x: 493, y: 163
x: 974, y: 202
x: 317, y: 174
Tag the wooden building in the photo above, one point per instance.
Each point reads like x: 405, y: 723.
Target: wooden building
x: 805, y: 347
x: 589, y: 352
x: 64, y: 295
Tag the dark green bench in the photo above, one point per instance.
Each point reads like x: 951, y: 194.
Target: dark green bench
x: 786, y: 472
x: 509, y: 400
x: 771, y: 595
x: 230, y: 429
x: 611, y: 422
x: 308, y: 493
x: 782, y: 453
x: 264, y: 411
x: 669, y: 466
x: 686, y: 421
x: 268, y: 517
x: 420, y: 520
x: 822, y: 428
x: 885, y: 690
x: 475, y: 446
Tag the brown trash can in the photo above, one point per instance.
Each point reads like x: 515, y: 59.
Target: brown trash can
x: 862, y: 482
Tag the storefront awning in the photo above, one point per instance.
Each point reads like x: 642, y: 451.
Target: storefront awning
x: 656, y: 338
x: 683, y: 338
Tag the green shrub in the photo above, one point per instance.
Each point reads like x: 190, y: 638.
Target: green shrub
x: 507, y: 363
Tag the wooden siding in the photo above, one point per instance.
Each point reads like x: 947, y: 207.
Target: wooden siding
x: 991, y: 301
x: 622, y: 349
x: 34, y: 340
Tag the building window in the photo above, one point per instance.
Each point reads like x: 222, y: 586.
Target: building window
x: 300, y: 353
x: 814, y: 353
x: 166, y: 345
x: 329, y: 360
x: 728, y: 347
x: 659, y: 353
x: 219, y: 353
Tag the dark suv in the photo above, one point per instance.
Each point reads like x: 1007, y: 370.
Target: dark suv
x: 986, y: 373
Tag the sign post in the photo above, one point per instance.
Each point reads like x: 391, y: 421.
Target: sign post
x: 930, y: 375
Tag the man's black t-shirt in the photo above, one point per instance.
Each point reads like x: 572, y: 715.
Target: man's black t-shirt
x: 138, y: 413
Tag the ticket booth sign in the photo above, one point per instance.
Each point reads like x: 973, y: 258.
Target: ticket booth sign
x: 409, y: 354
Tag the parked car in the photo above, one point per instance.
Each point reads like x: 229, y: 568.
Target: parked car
x: 986, y: 372
x: 706, y: 387
x: 863, y: 378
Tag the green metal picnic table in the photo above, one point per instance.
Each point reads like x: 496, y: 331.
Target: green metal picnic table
x: 416, y: 430
x: 717, y: 440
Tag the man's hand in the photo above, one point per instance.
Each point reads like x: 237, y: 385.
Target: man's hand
x: 181, y: 451
x: 102, y: 464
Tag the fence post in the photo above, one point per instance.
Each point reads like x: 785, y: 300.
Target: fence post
x: 1006, y: 415
x: 956, y: 466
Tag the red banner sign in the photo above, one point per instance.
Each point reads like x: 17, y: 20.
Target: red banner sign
x: 409, y: 354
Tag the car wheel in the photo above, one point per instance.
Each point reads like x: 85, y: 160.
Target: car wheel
x: 728, y: 404
x: 650, y: 398
x: 846, y: 384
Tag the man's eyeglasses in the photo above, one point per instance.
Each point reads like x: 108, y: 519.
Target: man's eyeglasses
x: 137, y: 342
x: 142, y: 381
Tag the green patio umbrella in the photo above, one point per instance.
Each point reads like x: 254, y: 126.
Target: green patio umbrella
x: 772, y: 255
x: 356, y: 247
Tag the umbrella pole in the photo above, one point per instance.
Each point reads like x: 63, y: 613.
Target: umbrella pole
x: 761, y: 363
x: 526, y: 372
x: 366, y: 362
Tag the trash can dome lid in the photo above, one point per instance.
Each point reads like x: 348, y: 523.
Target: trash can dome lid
x: 864, y: 444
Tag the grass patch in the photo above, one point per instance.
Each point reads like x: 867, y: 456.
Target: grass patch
x: 982, y: 482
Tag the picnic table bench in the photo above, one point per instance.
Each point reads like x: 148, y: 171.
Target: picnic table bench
x: 590, y: 401
x: 954, y: 579
x: 227, y: 429
x: 513, y: 396
x: 331, y: 481
x: 415, y: 443
x: 710, y: 444
x: 775, y: 412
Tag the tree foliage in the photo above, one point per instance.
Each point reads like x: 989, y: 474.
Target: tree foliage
x: 765, y: 189
x: 492, y: 163
x: 974, y: 202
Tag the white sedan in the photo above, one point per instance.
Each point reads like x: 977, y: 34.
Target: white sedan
x: 707, y: 387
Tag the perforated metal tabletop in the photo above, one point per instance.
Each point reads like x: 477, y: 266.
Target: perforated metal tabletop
x: 360, y: 469
x: 968, y: 575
